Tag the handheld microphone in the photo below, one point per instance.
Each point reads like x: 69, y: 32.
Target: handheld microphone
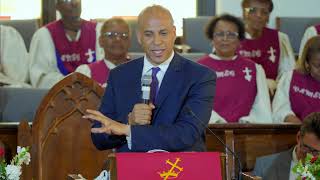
x: 145, y: 88
x: 189, y: 110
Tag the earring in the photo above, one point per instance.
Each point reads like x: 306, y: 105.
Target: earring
x: 307, y: 67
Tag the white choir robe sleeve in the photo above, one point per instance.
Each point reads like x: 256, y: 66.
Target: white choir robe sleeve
x: 84, y: 69
x: 281, y: 102
x: 99, y: 49
x: 14, y: 58
x: 309, y: 33
x: 287, y: 59
x: 216, y: 118
x: 261, y: 108
x: 44, y: 72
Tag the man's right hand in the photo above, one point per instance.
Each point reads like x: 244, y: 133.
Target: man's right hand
x: 141, y: 114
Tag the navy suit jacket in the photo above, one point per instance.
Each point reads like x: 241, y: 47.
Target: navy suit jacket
x: 185, y: 84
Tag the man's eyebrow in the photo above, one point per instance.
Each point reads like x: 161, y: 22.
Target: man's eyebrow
x: 147, y: 31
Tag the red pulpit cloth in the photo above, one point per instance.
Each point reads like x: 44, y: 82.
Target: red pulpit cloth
x: 163, y: 166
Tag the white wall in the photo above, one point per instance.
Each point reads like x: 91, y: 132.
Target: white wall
x: 282, y: 8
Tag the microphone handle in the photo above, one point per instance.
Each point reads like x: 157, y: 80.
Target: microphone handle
x: 220, y: 140
x: 145, y: 101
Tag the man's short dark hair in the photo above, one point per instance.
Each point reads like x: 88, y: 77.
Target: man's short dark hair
x: 245, y: 3
x: 228, y: 18
x: 311, y: 124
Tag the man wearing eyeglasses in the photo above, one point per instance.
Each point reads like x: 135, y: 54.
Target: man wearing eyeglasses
x: 265, y: 46
x: 281, y: 164
x: 115, y: 40
x: 58, y: 48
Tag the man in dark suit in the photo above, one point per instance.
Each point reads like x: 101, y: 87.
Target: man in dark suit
x: 279, y: 166
x: 177, y: 84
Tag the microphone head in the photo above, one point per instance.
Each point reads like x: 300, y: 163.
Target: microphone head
x: 146, y: 80
x: 145, y: 88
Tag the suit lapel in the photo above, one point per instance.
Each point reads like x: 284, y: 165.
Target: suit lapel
x: 134, y: 84
x: 170, y: 82
x: 285, y: 165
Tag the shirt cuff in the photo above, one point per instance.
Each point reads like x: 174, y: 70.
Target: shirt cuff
x: 129, y: 139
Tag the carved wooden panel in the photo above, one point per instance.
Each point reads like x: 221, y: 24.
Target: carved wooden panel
x: 250, y: 141
x: 8, y: 137
x: 25, y: 140
x: 61, y: 138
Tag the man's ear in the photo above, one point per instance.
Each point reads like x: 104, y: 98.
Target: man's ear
x: 298, y: 137
x: 139, y: 35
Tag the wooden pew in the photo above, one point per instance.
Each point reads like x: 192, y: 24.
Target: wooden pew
x: 250, y: 141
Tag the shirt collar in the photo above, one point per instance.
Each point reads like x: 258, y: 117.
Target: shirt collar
x: 294, y: 155
x: 147, y: 66
x: 247, y: 35
x: 214, y: 56
x: 109, y: 64
x: 77, y: 36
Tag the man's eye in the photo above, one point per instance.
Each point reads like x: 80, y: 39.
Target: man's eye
x: 148, y: 34
x: 164, y: 33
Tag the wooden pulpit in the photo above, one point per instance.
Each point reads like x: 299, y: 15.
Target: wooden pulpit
x: 187, y: 165
x: 60, y: 138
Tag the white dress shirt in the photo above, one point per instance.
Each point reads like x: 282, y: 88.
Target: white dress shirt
x: 294, y: 161
x: 147, y: 70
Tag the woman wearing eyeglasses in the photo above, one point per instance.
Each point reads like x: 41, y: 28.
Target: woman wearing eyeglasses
x: 241, y: 90
x: 265, y: 46
x: 298, y: 92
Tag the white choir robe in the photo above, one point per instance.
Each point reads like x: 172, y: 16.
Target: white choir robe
x: 84, y: 69
x: 287, y: 60
x: 44, y: 72
x: 309, y: 33
x: 14, y: 59
x: 281, y: 105
x: 261, y: 108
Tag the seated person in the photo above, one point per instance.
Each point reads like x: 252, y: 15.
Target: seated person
x: 265, y: 46
x: 178, y: 88
x: 115, y: 40
x: 235, y: 74
x: 279, y: 166
x: 58, y: 48
x: 309, y: 33
x: 298, y: 92
x: 14, y: 60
